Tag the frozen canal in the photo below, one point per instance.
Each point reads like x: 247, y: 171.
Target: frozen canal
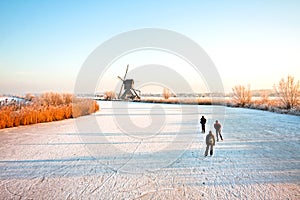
x: 153, y: 151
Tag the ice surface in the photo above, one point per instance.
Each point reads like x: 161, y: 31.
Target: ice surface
x: 153, y: 151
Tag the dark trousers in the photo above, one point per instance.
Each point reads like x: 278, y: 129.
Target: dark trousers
x: 203, y: 128
x: 211, y: 150
x: 218, y: 132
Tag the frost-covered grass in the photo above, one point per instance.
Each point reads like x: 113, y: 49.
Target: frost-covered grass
x: 272, y: 105
x: 194, y: 101
x: 44, y: 108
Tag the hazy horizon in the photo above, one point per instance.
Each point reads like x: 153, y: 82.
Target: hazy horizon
x: 43, y: 45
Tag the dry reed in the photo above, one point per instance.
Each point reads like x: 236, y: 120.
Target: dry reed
x: 45, y: 108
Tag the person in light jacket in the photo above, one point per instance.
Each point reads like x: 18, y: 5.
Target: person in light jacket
x: 210, y: 143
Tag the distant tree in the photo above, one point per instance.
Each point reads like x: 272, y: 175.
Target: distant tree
x: 109, y: 95
x: 241, y: 95
x: 264, y: 97
x: 288, y: 91
x: 166, y: 93
x: 29, y: 97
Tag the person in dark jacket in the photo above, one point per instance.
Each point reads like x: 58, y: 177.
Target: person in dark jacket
x: 210, y: 143
x: 218, y: 127
x: 203, y: 122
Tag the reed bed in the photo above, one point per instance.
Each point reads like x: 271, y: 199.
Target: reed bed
x: 47, y: 107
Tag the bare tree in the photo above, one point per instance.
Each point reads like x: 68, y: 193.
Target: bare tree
x: 264, y: 97
x: 288, y: 91
x: 29, y: 97
x: 109, y: 95
x: 241, y: 95
x: 166, y: 93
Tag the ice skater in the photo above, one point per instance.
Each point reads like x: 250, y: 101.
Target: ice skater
x: 203, y: 122
x: 218, y: 127
x: 210, y: 143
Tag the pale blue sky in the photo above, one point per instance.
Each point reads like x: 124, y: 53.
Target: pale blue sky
x: 44, y: 43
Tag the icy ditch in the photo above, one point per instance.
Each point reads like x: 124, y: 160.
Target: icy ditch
x: 153, y: 151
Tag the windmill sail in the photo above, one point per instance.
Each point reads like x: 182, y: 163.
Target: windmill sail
x: 122, y: 81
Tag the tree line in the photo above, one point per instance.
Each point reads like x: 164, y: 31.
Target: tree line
x: 287, y: 90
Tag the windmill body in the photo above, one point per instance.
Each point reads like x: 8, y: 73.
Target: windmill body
x: 129, y: 91
x: 128, y: 84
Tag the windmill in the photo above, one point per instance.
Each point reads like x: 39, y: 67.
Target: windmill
x: 129, y: 91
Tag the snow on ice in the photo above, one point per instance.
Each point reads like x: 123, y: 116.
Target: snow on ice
x: 153, y: 151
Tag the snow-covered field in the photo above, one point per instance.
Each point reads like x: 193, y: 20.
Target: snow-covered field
x: 153, y: 151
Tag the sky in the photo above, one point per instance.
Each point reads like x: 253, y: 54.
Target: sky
x: 43, y: 44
